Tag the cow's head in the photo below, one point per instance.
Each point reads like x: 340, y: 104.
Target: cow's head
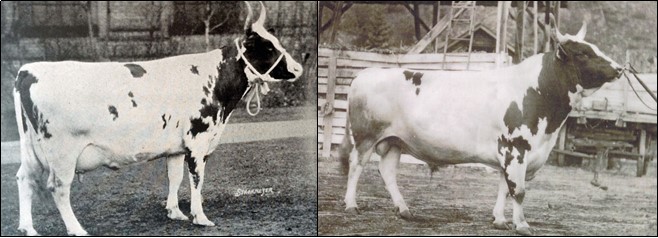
x: 592, y: 67
x: 264, y: 51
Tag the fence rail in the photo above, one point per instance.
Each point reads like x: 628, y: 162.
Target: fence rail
x: 337, y: 68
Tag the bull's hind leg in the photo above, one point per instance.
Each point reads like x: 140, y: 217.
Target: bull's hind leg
x: 388, y: 170
x: 175, y: 172
x: 356, y: 167
x: 196, y: 164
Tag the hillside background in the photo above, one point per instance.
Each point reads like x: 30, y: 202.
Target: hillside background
x: 614, y: 27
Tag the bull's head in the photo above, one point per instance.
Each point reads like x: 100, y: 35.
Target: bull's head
x: 264, y: 52
x: 593, y: 68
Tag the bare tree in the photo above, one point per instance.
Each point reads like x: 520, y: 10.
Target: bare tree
x: 206, y: 19
x: 93, y: 42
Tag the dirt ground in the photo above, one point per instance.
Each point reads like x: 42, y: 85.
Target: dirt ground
x: 130, y: 201
x: 458, y: 201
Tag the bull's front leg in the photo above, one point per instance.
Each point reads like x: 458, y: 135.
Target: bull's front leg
x: 196, y: 163
x: 514, y: 175
x: 175, y: 172
x: 500, y: 222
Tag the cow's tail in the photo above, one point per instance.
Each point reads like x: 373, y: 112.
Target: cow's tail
x: 31, y: 167
x: 345, y: 149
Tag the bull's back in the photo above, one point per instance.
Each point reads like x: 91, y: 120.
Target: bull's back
x: 438, y: 116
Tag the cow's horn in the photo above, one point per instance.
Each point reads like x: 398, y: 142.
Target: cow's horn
x: 261, y: 18
x: 249, y: 16
x: 582, y: 31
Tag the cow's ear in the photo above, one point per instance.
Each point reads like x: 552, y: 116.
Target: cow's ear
x: 271, y: 31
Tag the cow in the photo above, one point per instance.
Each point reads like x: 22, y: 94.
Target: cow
x: 74, y: 117
x: 505, y: 118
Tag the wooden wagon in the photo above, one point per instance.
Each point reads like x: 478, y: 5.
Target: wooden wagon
x: 618, y: 121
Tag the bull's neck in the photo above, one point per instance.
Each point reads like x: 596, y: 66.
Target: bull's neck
x: 549, y: 101
x: 231, y: 82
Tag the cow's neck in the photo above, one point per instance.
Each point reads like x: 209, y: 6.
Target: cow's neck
x: 231, y: 82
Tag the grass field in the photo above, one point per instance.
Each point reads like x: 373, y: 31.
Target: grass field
x: 130, y: 201
x: 458, y: 201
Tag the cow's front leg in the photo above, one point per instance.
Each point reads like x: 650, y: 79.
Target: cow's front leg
x: 59, y: 183
x: 175, y: 171
x: 196, y: 164
x: 388, y: 170
x: 515, y: 179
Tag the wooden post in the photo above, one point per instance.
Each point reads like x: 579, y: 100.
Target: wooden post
x: 562, y: 141
x: 503, y: 30
x: 520, y: 27
x: 547, y: 25
x: 643, y: 153
x: 435, y: 18
x: 535, y: 46
x: 328, y: 116
x: 416, y: 21
x: 499, y: 12
x: 556, y: 12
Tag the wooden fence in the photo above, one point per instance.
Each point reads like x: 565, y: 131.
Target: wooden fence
x: 337, y: 68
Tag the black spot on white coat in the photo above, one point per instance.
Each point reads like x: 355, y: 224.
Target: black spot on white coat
x: 136, y: 70
x: 113, y: 112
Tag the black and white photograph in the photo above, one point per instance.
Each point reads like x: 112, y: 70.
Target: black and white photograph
x: 465, y: 118
x: 172, y: 118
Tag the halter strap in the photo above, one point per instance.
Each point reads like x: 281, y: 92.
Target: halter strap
x: 257, y: 81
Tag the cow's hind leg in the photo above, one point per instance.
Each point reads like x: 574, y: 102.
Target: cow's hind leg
x: 356, y: 167
x: 388, y: 170
x: 175, y: 171
x: 59, y: 183
x: 26, y: 184
x: 196, y: 164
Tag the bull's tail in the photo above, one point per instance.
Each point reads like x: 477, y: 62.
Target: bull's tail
x: 345, y: 149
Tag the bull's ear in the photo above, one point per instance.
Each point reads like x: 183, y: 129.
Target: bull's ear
x: 560, y: 53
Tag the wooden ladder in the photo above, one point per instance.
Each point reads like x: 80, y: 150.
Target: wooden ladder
x: 460, y: 6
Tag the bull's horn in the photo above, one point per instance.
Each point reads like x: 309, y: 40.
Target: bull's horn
x: 582, y: 31
x: 558, y: 36
x: 261, y: 19
x: 249, y: 16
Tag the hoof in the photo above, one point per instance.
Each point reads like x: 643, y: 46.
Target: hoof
x: 406, y: 214
x: 504, y: 225
x: 202, y: 221
x: 28, y: 231
x: 176, y: 214
x: 352, y: 210
x: 524, y: 231
x: 78, y: 233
